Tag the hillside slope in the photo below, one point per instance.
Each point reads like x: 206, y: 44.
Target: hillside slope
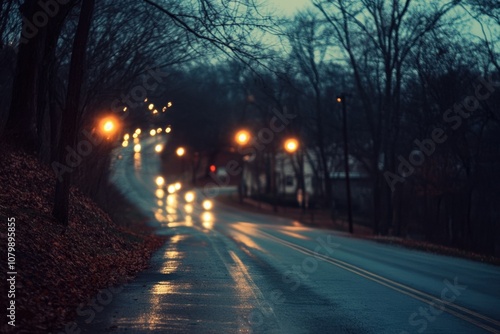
x: 59, y: 268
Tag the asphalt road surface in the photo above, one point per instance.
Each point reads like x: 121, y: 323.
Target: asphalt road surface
x: 226, y: 271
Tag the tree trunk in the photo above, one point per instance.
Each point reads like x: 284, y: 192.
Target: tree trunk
x: 21, y: 123
x: 54, y: 115
x: 48, y: 72
x: 29, y: 94
x: 71, y: 113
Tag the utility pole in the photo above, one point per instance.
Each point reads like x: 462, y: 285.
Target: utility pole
x: 342, y: 99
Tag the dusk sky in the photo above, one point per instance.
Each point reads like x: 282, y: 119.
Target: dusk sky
x: 288, y: 7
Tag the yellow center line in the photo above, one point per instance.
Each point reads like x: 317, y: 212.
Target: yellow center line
x: 404, y: 289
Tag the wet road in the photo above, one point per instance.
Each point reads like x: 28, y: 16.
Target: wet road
x: 225, y: 271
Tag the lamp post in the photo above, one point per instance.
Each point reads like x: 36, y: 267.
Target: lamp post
x: 291, y: 145
x: 242, y: 138
x: 108, y: 127
x: 342, y: 99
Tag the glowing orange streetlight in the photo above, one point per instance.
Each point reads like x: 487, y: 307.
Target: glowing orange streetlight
x: 242, y: 137
x: 291, y: 145
x: 109, y: 125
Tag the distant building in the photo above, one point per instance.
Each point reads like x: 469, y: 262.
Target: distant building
x: 286, y: 173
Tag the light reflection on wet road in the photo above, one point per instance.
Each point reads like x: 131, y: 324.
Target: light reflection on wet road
x: 225, y: 271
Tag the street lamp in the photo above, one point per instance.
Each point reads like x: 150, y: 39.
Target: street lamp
x: 180, y: 151
x: 342, y: 99
x: 291, y: 145
x: 109, y: 126
x: 242, y: 137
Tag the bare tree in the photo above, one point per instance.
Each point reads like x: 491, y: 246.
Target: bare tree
x: 234, y: 28
x: 377, y: 38
x: 34, y: 50
x: 448, y: 195
x: 487, y: 14
x: 71, y: 114
x: 310, y: 48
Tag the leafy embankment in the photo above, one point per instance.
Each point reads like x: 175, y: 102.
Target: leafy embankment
x: 58, y: 268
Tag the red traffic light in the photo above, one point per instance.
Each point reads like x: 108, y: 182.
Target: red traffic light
x: 213, y: 168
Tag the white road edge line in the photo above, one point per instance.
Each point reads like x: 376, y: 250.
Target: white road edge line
x: 411, y: 292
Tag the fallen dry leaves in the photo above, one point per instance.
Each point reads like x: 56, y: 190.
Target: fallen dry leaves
x: 58, y: 268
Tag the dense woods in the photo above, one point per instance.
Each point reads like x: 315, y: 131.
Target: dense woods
x: 422, y: 81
